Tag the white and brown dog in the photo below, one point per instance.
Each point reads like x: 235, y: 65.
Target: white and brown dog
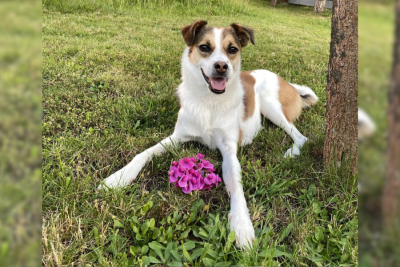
x: 221, y: 107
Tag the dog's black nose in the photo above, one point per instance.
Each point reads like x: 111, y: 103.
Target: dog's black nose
x: 220, y: 67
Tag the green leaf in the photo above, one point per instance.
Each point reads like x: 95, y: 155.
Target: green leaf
x: 312, y: 190
x: 132, y: 250
x: 189, y: 245
x: 319, y: 234
x: 175, y: 263
x: 134, y: 228
x: 186, y: 254
x: 231, y: 237
x: 213, y: 254
x: 145, y: 249
x: 286, y: 232
x: 184, y: 234
x: 146, y: 260
x: 223, y: 263
x: 96, y: 235
x: 152, y: 223
x: 118, y: 224
x: 144, y: 228
x: 208, y: 262
x: 154, y: 260
x: 155, y: 245
x: 167, y: 252
x: 196, y: 253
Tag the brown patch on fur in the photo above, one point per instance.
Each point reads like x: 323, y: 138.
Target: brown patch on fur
x: 290, y: 100
x: 249, y: 100
x: 205, y: 36
x: 243, y: 33
x: 229, y: 39
x: 189, y: 32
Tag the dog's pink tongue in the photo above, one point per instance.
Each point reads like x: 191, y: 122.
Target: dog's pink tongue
x: 218, y: 83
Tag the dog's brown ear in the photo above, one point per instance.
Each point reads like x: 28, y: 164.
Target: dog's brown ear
x: 243, y: 33
x: 189, y: 32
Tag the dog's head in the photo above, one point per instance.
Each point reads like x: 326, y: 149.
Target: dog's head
x: 215, y: 52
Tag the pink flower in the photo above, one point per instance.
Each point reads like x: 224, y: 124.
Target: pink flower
x: 186, y: 163
x: 207, y: 165
x: 192, y: 174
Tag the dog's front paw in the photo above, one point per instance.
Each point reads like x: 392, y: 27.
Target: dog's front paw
x: 292, y: 152
x: 243, y: 227
x: 115, y: 180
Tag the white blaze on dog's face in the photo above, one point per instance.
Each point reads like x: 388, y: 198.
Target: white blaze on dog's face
x: 215, y: 52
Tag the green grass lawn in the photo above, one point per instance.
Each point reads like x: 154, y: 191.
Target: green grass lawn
x: 110, y: 70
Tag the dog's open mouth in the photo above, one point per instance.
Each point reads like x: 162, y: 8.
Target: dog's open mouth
x: 216, y: 85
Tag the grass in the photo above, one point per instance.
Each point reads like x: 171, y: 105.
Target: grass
x: 376, y: 34
x: 109, y: 77
x: 20, y: 137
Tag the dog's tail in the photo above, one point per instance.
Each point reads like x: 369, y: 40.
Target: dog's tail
x: 308, y: 96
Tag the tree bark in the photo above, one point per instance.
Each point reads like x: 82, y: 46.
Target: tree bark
x: 340, y: 145
x: 391, y: 188
x: 319, y: 5
x: 273, y: 2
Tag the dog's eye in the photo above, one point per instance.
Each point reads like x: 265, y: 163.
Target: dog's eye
x: 204, y: 48
x: 232, y: 50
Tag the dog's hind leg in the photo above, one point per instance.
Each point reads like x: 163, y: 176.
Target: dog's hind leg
x: 272, y: 110
x: 127, y: 174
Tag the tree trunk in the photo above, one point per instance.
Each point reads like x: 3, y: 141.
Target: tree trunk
x: 319, y: 5
x: 340, y: 145
x: 273, y: 2
x: 391, y: 188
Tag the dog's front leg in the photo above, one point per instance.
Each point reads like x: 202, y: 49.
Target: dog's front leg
x: 239, y: 217
x: 127, y: 174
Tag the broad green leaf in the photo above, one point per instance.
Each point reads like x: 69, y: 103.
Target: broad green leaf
x: 134, y: 228
x: 156, y: 233
x: 145, y: 249
x: 155, y: 245
x: 159, y: 254
x: 312, y: 190
x: 167, y: 252
x: 152, y: 223
x: 118, y: 224
x: 144, y: 228
x: 175, y: 263
x: 189, y: 245
x: 132, y: 250
x: 146, y: 260
x: 186, y: 254
x: 223, y: 263
x: 213, y: 254
x: 96, y: 235
x: 231, y: 237
x: 184, y: 234
x: 319, y: 234
x: 285, y: 232
x: 154, y: 260
x: 208, y: 262
x: 196, y: 253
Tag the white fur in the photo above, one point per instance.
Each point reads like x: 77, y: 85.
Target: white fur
x: 214, y: 120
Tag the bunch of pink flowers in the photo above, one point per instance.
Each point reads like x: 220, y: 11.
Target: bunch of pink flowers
x: 193, y: 173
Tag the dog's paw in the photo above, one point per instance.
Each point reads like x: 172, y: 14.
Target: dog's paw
x: 243, y: 227
x: 292, y: 152
x: 114, y: 181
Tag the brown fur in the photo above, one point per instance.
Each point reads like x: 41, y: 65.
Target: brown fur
x: 206, y: 36
x: 229, y: 39
x: 290, y: 100
x: 249, y: 100
x: 244, y: 34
